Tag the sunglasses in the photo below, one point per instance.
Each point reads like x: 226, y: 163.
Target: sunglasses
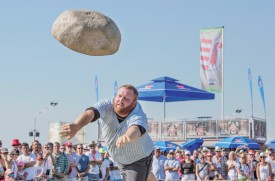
x: 209, y: 156
x: 5, y: 153
x: 171, y: 153
x: 262, y: 156
x: 80, y: 148
x: 11, y: 154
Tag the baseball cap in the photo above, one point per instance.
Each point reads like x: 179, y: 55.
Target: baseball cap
x: 39, y: 157
x: 171, y: 151
x: 21, y: 163
x: 187, y: 152
x: 262, y: 154
x: 15, y: 142
x: 217, y: 148
x: 101, y: 150
x: 205, y: 149
x: 4, y: 150
x: 69, y: 144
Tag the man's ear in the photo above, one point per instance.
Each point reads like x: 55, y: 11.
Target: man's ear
x: 134, y: 103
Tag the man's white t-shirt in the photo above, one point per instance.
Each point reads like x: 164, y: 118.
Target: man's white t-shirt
x: 94, y: 169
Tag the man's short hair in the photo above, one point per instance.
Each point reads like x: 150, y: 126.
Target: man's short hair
x: 131, y: 87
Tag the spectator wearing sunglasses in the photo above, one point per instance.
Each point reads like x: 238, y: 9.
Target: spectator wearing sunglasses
x: 202, y: 169
x: 264, y: 170
x: 83, y: 163
x: 10, y: 163
x: 188, y: 167
x: 95, y: 161
x: 171, y: 166
x: 16, y: 145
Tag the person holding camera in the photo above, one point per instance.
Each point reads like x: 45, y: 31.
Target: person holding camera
x: 48, y: 161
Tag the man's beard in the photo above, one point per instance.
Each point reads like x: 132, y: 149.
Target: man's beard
x: 124, y: 111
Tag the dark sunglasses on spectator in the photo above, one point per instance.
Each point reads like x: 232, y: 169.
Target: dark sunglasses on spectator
x: 80, y: 148
x: 209, y: 156
x: 171, y: 153
x: 262, y: 156
x: 5, y: 153
x: 15, y: 145
x: 11, y: 154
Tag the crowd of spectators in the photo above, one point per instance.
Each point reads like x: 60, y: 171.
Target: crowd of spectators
x: 218, y: 164
x: 55, y: 161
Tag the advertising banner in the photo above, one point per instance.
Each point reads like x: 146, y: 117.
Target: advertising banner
x: 236, y: 127
x: 200, y: 129
x: 172, y: 130
x: 259, y: 129
x: 154, y: 129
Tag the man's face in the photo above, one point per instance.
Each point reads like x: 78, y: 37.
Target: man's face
x: 200, y: 130
x: 35, y: 146
x: 25, y: 149
x: 56, y: 148
x: 157, y: 152
x: 233, y: 127
x: 124, y: 102
x: 80, y: 149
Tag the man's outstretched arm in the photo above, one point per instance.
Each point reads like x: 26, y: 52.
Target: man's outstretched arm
x: 69, y: 130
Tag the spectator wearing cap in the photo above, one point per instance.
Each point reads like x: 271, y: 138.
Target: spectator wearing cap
x: 21, y: 175
x: 188, y: 167
x: 243, y: 168
x: 95, y: 161
x: 264, y: 170
x: 28, y: 159
x: 61, y: 164
x: 204, y: 151
x: 104, y: 164
x: 202, y: 169
x: 112, y: 171
x: 213, y: 168
x: 15, y: 143
x: 10, y: 163
x: 73, y: 161
x: 86, y: 149
x: 98, y: 146
x: 253, y: 164
x: 232, y: 166
x: 83, y: 164
x: 158, y: 164
x: 38, y: 168
x: 4, y: 155
x: 171, y: 167
x: 220, y: 162
x: 48, y: 161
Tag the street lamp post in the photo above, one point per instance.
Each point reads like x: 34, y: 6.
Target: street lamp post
x: 34, y: 132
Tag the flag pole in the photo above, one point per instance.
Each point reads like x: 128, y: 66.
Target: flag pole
x: 222, y: 98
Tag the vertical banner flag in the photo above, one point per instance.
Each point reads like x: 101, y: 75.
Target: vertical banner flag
x: 96, y: 88
x: 250, y: 85
x: 115, y: 88
x: 211, y: 45
x: 261, y: 87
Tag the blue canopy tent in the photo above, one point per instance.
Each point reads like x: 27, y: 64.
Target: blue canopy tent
x: 166, y: 89
x: 192, y: 144
x: 234, y: 142
x: 165, y: 146
x: 271, y: 144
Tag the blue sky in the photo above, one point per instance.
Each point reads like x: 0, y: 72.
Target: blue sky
x: 159, y: 38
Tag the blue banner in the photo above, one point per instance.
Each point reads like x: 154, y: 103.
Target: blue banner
x: 250, y: 85
x: 261, y: 87
x: 115, y: 88
x: 96, y: 88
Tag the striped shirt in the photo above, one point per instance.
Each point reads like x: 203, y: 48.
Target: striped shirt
x: 112, y: 129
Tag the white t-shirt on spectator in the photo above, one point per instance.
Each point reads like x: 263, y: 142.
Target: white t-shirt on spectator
x: 27, y: 159
x: 94, y: 169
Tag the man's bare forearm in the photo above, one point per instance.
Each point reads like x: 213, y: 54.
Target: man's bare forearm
x: 85, y: 118
x: 133, y: 133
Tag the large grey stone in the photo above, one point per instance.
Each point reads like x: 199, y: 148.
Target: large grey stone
x: 87, y: 32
